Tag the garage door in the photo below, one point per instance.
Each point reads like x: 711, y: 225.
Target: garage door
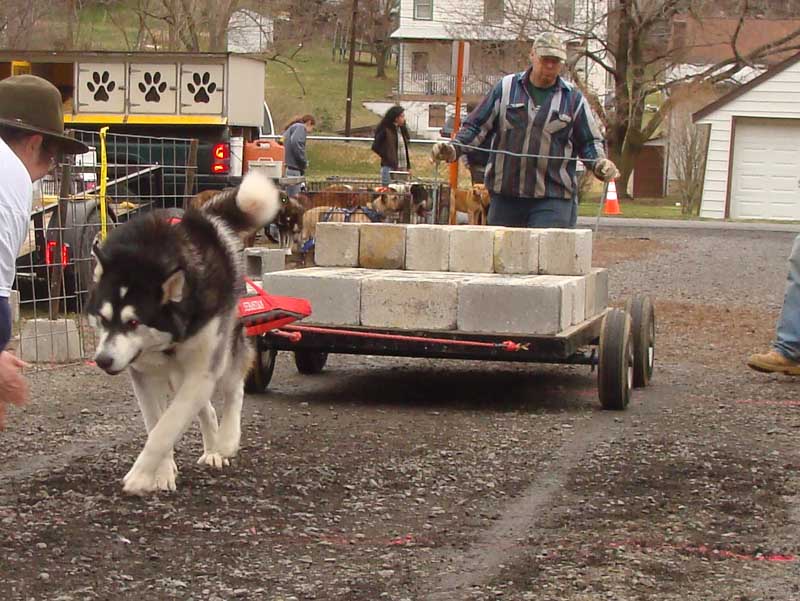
x: 766, y: 169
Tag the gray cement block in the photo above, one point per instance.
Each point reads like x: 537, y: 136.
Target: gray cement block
x: 512, y: 305
x: 516, y: 250
x: 427, y: 248
x: 415, y: 303
x: 13, y: 301
x: 382, y: 246
x: 565, y: 252
x: 50, y: 341
x: 336, y: 244
x: 576, y: 287
x: 259, y: 260
x: 334, y: 294
x: 472, y: 249
x: 596, y: 292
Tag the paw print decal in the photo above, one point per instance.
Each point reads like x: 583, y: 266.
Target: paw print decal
x: 100, y: 86
x: 152, y: 87
x: 201, y: 87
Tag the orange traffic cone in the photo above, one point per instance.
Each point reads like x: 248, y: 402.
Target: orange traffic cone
x: 611, y: 202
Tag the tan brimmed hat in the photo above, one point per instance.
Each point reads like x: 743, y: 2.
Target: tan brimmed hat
x: 33, y: 104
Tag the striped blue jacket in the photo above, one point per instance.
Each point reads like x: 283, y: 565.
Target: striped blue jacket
x: 559, y: 130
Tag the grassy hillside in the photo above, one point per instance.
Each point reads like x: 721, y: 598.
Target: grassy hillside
x: 318, y: 85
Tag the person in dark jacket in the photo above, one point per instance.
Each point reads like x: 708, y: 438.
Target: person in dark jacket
x: 391, y: 143
x: 294, y: 143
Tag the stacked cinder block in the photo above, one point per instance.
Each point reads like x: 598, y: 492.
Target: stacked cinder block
x: 427, y: 277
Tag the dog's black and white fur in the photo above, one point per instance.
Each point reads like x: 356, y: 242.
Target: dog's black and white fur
x: 165, y: 306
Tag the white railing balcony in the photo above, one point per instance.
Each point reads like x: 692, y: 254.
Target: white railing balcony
x: 444, y: 84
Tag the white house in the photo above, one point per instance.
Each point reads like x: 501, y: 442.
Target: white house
x: 497, y: 35
x: 753, y: 160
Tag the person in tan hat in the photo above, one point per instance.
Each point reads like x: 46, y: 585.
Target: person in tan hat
x: 31, y: 141
x: 539, y: 124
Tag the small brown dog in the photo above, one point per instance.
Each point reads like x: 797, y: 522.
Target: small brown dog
x: 474, y: 202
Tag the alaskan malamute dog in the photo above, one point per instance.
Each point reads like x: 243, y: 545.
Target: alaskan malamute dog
x: 164, y: 303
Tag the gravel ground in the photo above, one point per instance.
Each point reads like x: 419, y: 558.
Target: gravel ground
x: 426, y: 480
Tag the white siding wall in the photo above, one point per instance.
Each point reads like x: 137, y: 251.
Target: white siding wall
x: 462, y: 19
x: 775, y: 98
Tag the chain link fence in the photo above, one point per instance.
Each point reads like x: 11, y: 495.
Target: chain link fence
x: 83, y: 198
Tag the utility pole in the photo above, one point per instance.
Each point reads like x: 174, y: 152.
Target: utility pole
x: 350, y: 66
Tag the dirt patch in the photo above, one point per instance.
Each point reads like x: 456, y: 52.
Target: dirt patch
x: 610, y: 250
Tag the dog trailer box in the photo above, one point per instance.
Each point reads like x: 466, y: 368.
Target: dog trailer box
x: 150, y: 88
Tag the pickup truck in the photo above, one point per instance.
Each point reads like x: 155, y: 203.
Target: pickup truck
x: 155, y: 105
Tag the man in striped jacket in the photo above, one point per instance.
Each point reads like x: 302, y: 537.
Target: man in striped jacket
x: 541, y: 125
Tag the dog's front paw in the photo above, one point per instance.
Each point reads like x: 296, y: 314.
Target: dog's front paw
x: 139, y: 482
x: 213, y: 459
x: 166, y: 475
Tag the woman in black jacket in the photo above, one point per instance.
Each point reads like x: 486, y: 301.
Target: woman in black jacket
x: 391, y: 143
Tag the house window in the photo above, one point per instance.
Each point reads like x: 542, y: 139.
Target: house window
x: 436, y: 115
x: 423, y: 10
x: 419, y: 62
x: 493, y: 11
x: 679, y: 29
x: 564, y: 11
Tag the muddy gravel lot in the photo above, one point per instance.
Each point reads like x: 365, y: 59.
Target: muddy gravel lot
x: 410, y: 480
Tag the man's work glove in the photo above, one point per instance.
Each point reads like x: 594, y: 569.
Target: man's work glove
x: 605, y: 170
x: 443, y: 151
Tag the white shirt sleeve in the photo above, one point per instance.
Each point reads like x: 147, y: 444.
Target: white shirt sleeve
x: 16, y: 195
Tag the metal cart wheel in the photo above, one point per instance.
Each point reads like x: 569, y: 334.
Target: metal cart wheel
x: 643, y: 325
x: 615, y: 371
x: 260, y: 375
x: 310, y: 362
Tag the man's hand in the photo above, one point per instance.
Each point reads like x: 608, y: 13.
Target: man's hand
x: 13, y: 386
x: 606, y: 170
x: 443, y: 151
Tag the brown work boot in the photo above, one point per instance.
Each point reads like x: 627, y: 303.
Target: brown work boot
x: 774, y: 362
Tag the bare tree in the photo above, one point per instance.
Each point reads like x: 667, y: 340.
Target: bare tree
x: 688, y: 145
x: 17, y: 19
x: 634, y: 43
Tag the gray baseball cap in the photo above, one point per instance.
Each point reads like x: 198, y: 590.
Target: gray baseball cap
x: 549, y: 44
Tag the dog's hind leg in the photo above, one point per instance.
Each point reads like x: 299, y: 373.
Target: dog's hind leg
x: 210, y: 431
x: 232, y: 387
x: 153, y: 394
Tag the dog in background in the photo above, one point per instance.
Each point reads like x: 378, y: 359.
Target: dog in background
x: 474, y: 202
x: 165, y: 306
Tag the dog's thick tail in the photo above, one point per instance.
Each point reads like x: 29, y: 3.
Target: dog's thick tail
x: 248, y: 207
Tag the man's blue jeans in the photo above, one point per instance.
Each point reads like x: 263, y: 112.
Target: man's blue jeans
x: 787, y: 342
x: 532, y: 212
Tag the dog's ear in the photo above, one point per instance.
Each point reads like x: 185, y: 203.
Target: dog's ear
x: 100, y: 260
x: 172, y: 288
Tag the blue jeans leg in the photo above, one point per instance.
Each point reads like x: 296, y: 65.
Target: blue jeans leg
x: 532, y: 212
x: 508, y: 211
x: 385, y: 175
x: 5, y: 322
x: 787, y: 341
x: 293, y: 190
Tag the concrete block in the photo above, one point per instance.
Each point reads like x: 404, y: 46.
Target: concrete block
x: 427, y: 248
x: 513, y: 305
x: 336, y: 244
x: 390, y: 300
x: 50, y: 341
x: 576, y: 288
x: 516, y: 250
x: 259, y: 260
x: 13, y: 301
x: 596, y: 292
x: 565, y: 252
x: 382, y: 246
x: 334, y: 294
x: 472, y: 249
